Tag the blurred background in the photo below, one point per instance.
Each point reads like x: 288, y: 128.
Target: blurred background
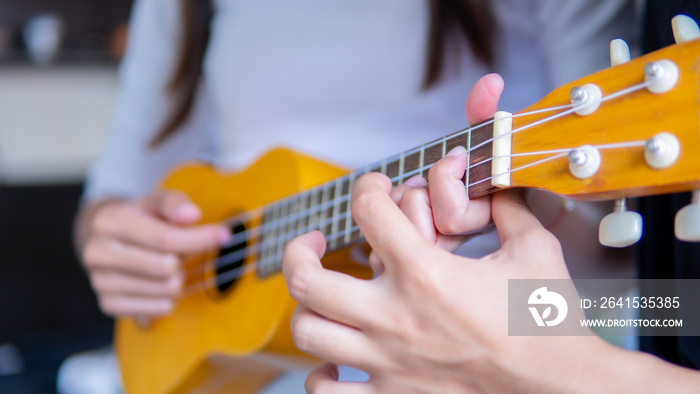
x: 58, y: 81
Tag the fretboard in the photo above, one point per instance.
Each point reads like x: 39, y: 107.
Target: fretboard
x: 326, y: 207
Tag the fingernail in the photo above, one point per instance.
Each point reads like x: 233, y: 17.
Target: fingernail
x: 416, y: 181
x: 458, y: 151
x: 224, y: 235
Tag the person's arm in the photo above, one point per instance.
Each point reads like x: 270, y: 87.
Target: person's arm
x: 130, y: 238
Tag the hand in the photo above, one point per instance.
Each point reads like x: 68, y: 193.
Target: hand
x: 443, y: 213
x: 133, y: 251
x: 433, y: 321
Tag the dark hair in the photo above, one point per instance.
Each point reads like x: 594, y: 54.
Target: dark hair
x: 450, y: 20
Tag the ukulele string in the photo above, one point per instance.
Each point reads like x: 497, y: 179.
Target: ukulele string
x: 278, y: 225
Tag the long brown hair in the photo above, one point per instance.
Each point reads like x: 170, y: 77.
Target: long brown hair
x: 450, y: 20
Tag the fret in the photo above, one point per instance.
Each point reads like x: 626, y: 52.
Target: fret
x: 334, y: 215
x: 274, y: 237
x: 264, y: 240
x: 272, y: 242
x: 314, y: 209
x: 303, y: 221
x: 432, y: 154
x: 329, y: 205
x: 322, y: 210
x: 453, y: 142
x: 348, y: 214
x: 421, y: 161
x: 282, y: 223
x: 411, y: 164
x: 402, y: 157
x: 290, y: 227
x: 469, y: 158
x: 480, y: 155
x: 343, y: 203
x: 443, y: 145
x: 296, y: 216
x: 383, y: 169
x: 392, y: 170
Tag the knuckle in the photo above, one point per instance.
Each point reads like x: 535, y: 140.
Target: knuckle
x: 99, y: 284
x: 545, y: 240
x: 103, y: 221
x: 110, y: 306
x: 449, y: 225
x: 364, y: 201
x: 173, y: 287
x: 91, y: 254
x: 298, y: 283
x: 301, y: 332
x: 166, y: 239
x: 317, y: 386
x: 165, y: 266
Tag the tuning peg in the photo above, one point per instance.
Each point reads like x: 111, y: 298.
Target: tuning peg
x: 687, y: 226
x: 621, y: 228
x: 684, y: 28
x: 619, y: 52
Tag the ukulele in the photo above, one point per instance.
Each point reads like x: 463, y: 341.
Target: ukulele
x: 630, y: 130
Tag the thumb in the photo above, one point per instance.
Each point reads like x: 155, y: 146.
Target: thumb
x: 172, y: 206
x: 482, y: 101
x: 512, y: 215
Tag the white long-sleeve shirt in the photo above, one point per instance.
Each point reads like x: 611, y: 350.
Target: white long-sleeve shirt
x: 339, y: 80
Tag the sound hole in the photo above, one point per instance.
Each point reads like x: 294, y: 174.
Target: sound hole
x: 230, y: 260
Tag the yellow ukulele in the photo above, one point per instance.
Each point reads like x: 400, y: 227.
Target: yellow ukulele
x: 630, y: 130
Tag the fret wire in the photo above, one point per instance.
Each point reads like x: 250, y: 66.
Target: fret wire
x: 271, y: 239
x: 276, y: 212
x: 444, y: 147
x: 322, y: 213
x: 348, y: 214
x: 302, y: 217
x: 281, y: 235
x: 401, y: 169
x: 469, y: 158
x: 336, y: 208
x: 313, y: 201
x: 265, y: 238
x: 293, y: 225
x: 383, y: 169
x: 421, y: 162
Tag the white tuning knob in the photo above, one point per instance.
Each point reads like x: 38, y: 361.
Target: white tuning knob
x: 684, y: 28
x: 687, y: 226
x: 619, y: 52
x: 621, y: 228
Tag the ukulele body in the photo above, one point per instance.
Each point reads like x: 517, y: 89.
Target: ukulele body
x: 207, y: 343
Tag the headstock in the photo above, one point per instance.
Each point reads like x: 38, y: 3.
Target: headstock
x: 643, y: 128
